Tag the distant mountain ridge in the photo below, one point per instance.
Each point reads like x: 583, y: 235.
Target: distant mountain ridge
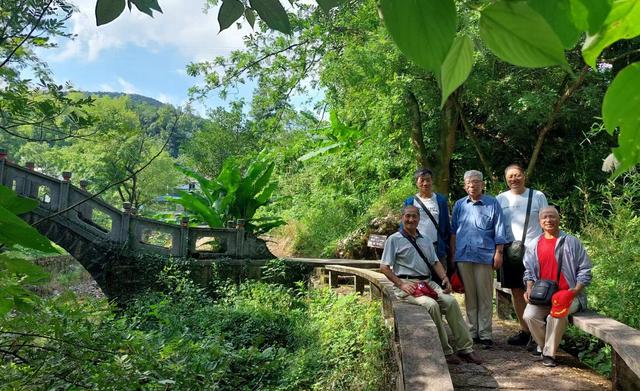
x: 135, y: 98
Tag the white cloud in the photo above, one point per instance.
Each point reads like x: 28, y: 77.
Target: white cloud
x: 127, y: 87
x: 164, y: 98
x: 106, y: 87
x: 183, y: 27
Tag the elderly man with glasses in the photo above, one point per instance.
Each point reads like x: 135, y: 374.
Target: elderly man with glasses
x: 477, y: 241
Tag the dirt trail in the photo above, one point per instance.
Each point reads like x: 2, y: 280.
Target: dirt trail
x: 507, y: 367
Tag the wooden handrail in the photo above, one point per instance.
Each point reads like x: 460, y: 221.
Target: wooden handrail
x: 421, y: 362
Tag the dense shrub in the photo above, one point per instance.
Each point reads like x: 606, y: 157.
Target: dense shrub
x: 258, y: 336
x: 615, y: 251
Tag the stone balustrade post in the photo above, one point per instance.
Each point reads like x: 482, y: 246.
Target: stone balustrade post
x: 30, y: 191
x: 3, y: 157
x: 63, y: 199
x: 240, y: 239
x: 184, y: 236
x: 125, y: 229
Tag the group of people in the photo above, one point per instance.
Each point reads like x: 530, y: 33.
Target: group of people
x: 515, y: 233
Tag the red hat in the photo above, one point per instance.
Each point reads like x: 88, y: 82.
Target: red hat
x: 561, y: 302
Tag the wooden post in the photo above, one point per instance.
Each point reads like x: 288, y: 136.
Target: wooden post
x: 359, y: 284
x: 333, y: 279
x: 504, y: 308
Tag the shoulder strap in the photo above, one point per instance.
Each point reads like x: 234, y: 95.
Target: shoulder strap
x: 433, y: 220
x: 419, y: 250
x: 560, y: 245
x: 526, y: 219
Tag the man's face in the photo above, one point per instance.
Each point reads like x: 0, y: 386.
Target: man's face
x: 549, y: 220
x: 425, y: 183
x: 473, y: 186
x: 410, y: 218
x: 515, y: 179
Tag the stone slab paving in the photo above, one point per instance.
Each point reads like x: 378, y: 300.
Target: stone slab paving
x: 508, y: 367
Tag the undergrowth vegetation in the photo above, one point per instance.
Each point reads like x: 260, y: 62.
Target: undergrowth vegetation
x: 256, y: 335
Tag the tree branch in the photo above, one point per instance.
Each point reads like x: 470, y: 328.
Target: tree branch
x: 35, y: 26
x: 114, y: 183
x: 551, y: 120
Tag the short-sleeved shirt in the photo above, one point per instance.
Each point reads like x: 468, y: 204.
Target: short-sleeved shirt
x: 514, y: 210
x: 426, y: 226
x: 479, y: 227
x: 403, y: 258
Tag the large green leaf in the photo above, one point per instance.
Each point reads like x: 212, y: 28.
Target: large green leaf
x: 519, y: 35
x: 588, y: 15
x: 423, y: 29
x: 327, y: 5
x: 108, y: 10
x: 273, y: 14
x: 623, y: 22
x: 32, y: 273
x: 199, y: 206
x: 620, y: 109
x: 14, y: 203
x: 456, y: 66
x: 13, y: 230
x: 146, y: 6
x: 558, y: 14
x: 230, y: 11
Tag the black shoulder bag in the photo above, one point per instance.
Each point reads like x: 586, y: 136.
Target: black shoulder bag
x: 543, y: 290
x: 514, y: 251
x: 434, y: 275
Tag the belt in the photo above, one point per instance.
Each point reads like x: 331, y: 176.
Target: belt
x: 405, y: 276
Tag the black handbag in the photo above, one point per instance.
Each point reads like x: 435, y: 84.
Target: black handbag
x: 543, y: 290
x: 514, y: 251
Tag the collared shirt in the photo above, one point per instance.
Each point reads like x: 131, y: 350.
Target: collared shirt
x: 403, y: 258
x: 479, y: 227
x: 576, y: 265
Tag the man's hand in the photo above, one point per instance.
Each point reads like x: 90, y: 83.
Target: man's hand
x: 526, y: 295
x: 408, y: 287
x: 497, y: 260
x: 446, y: 285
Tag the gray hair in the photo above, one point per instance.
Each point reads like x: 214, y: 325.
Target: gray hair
x: 407, y: 207
x: 549, y: 208
x: 473, y: 174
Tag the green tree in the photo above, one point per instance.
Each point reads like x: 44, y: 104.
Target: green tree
x: 35, y: 108
x: 118, y: 149
x: 225, y: 134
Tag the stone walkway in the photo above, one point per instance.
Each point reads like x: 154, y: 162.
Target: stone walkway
x: 507, y: 367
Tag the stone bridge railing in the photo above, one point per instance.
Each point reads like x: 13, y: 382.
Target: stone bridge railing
x: 101, y: 222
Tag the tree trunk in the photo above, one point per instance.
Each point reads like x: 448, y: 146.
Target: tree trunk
x: 417, y: 138
x: 442, y: 169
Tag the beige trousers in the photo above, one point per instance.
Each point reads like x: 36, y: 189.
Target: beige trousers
x: 546, y: 330
x: 448, y: 306
x: 478, y: 297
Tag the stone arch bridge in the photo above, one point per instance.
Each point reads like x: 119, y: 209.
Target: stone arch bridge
x: 107, y: 241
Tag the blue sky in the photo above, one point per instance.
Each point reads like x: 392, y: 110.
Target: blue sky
x: 143, y: 55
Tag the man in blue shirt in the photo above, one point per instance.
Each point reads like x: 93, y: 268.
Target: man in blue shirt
x: 477, y: 240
